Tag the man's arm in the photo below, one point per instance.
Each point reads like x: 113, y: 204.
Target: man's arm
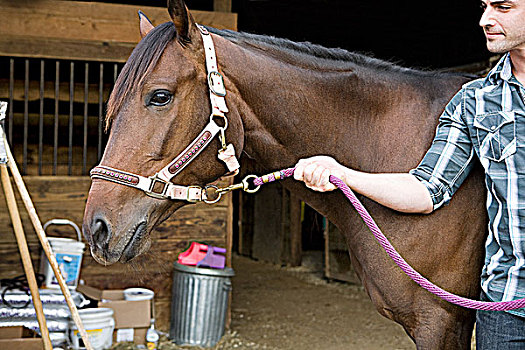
x: 427, y: 187
x: 401, y: 192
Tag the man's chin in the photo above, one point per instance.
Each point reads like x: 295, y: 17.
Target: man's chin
x: 497, y: 49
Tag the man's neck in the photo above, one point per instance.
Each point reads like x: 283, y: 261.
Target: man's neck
x: 517, y: 57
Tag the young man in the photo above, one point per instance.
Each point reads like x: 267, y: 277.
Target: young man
x: 486, y: 119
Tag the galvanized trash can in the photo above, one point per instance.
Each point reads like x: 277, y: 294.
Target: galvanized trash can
x: 199, y: 305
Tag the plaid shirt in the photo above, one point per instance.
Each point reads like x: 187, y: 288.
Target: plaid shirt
x: 487, y: 119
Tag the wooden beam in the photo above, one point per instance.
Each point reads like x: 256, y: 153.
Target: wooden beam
x: 76, y: 30
x: 222, y: 5
x: 65, y: 197
x: 66, y: 49
x: 49, y: 90
x: 24, y: 252
x: 296, y: 250
x: 337, y: 259
x: 90, y: 21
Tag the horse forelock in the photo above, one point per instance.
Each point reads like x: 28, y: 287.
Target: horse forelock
x: 140, y: 63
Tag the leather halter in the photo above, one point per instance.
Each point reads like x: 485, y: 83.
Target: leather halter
x: 160, y: 185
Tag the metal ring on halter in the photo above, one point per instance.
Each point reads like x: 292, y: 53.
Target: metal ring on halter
x: 219, y: 194
x: 223, y: 117
x: 246, y: 185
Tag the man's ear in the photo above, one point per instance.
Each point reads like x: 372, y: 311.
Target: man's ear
x: 145, y: 24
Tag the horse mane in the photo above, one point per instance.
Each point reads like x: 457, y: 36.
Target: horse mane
x: 140, y: 63
x: 316, y: 56
x: 147, y: 53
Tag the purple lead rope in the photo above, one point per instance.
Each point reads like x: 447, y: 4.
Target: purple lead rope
x: 390, y: 250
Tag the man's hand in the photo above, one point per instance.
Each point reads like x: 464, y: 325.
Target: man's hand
x: 316, y: 171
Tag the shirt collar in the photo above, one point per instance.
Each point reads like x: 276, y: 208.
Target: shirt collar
x: 502, y: 70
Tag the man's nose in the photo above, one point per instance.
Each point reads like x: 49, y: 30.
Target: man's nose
x: 487, y: 19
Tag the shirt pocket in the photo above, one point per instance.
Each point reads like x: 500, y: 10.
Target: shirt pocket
x: 496, y: 134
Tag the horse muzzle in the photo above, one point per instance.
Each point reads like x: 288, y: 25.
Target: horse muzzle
x: 109, y: 246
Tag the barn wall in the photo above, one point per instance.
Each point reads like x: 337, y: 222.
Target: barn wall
x: 83, y: 30
x: 65, y: 197
x: 89, y: 32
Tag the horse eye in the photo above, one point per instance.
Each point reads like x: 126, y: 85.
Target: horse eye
x: 160, y: 98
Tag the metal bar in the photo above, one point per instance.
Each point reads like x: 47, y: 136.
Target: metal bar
x: 86, y: 103
x: 100, y: 111
x: 115, y: 72
x: 55, y: 124
x: 26, y: 117
x: 41, y: 119
x: 71, y: 105
x: 11, y: 96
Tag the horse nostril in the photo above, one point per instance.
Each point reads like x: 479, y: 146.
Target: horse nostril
x: 101, y: 233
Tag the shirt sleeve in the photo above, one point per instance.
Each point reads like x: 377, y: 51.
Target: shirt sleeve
x: 450, y: 158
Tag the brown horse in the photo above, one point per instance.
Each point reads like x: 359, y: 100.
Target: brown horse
x: 289, y: 101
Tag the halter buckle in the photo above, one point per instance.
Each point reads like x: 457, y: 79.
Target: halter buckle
x: 188, y: 194
x: 216, y: 83
x: 154, y: 190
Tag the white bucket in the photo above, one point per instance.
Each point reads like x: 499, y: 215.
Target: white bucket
x: 68, y: 253
x: 99, y: 325
x: 138, y: 294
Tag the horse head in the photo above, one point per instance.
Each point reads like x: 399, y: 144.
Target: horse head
x: 158, y: 111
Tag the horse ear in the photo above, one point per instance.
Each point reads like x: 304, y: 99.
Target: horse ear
x: 184, y: 23
x: 145, y: 24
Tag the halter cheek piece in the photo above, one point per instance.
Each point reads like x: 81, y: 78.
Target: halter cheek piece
x: 160, y: 185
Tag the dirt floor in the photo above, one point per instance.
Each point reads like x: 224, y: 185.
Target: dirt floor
x: 282, y: 308
x: 295, y: 308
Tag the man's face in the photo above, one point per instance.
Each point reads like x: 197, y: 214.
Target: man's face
x: 503, y: 22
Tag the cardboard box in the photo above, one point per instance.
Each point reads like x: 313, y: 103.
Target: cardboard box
x: 20, y: 338
x: 132, y: 317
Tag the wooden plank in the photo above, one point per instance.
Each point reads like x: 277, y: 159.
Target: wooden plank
x: 66, y: 49
x: 49, y: 89
x: 337, y: 259
x: 222, y: 5
x: 246, y: 219
x: 79, y: 30
x: 296, y: 250
x: 271, y: 227
x: 24, y: 253
x: 54, y: 197
x: 285, y: 226
x: 90, y: 21
x: 267, y: 230
x: 159, y: 259
x: 65, y: 196
x: 291, y: 229
x: 228, y: 198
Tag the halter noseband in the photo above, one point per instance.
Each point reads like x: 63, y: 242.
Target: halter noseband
x: 160, y: 185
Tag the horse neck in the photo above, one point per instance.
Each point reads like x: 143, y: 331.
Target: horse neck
x: 293, y: 111
x: 287, y: 111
